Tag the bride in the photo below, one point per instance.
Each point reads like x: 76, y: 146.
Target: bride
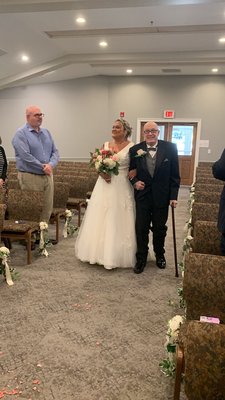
x: 107, y: 233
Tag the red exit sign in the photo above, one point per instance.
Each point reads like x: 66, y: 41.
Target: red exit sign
x: 168, y: 114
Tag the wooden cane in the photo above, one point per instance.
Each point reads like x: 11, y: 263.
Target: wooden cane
x: 174, y: 243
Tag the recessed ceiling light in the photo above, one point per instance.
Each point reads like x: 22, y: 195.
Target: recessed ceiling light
x: 129, y: 71
x: 103, y: 44
x: 80, y: 20
x: 222, y: 40
x: 214, y: 69
x: 25, y: 58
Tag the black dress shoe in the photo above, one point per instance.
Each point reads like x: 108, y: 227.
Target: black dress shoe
x: 161, y: 262
x: 139, y: 267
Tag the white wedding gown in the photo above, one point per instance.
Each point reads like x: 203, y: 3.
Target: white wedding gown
x: 107, y: 233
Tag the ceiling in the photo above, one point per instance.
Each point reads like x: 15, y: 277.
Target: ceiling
x: 158, y: 37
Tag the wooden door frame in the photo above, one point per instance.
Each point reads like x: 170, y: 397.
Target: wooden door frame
x: 197, y: 121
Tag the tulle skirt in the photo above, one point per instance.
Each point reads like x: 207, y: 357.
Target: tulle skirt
x: 107, y: 233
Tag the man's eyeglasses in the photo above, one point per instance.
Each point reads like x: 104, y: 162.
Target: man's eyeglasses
x: 39, y: 115
x: 151, y: 131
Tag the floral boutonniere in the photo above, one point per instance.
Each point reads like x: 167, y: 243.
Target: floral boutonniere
x: 141, y: 153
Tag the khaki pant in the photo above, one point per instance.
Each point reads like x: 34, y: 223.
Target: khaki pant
x: 40, y: 183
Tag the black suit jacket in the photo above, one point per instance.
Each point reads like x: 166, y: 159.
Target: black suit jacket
x: 165, y: 183
x: 218, y: 170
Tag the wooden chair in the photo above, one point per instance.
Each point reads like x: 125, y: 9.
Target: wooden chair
x: 203, y: 286
x: 61, y: 194
x: 3, y: 196
x: 207, y: 197
x: 201, y: 357
x: 2, y: 217
x: 204, y: 212
x: 206, y: 187
x: 24, y: 210
x: 206, y: 238
x: 210, y: 181
x: 77, y: 196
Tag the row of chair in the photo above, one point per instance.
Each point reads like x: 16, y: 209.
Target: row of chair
x: 201, y: 345
x: 23, y: 214
x: 79, y: 176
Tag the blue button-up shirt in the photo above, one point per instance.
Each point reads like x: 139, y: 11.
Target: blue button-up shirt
x: 33, y: 149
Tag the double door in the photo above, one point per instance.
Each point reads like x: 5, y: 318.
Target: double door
x: 184, y: 135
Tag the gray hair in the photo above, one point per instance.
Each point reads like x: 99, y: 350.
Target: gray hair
x: 126, y: 126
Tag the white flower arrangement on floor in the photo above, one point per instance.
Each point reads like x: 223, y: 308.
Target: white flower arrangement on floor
x: 69, y: 228
x: 5, y: 270
x: 43, y: 238
x: 168, y: 365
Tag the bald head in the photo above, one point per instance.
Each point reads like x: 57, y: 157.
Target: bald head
x: 151, y: 133
x: 34, y: 117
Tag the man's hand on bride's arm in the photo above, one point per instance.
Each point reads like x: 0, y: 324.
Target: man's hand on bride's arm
x: 132, y: 173
x: 139, y: 185
x: 106, y: 177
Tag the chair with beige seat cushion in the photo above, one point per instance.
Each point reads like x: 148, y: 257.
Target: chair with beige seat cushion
x: 24, y: 211
x: 201, y: 356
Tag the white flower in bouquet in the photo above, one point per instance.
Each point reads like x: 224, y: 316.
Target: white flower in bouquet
x: 109, y: 162
x: 105, y: 161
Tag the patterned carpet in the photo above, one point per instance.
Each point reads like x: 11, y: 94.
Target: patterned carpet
x: 77, y: 332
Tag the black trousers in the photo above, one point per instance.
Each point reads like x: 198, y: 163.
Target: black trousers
x: 150, y: 217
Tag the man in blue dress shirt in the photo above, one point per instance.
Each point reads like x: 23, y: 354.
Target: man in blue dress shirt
x: 36, y: 156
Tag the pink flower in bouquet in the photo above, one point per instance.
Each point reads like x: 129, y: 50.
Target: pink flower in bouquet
x: 105, y: 161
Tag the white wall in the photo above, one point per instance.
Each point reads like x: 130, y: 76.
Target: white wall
x: 80, y: 113
x: 76, y: 113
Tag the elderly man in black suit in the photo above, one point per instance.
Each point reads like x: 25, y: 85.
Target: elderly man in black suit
x: 218, y: 170
x: 156, y: 182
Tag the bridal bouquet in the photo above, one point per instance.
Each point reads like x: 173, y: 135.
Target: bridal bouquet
x: 105, y: 161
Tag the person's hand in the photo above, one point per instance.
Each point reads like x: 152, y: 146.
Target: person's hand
x: 139, y: 185
x: 1, y: 183
x: 132, y: 173
x: 173, y: 203
x: 47, y: 168
x: 106, y: 177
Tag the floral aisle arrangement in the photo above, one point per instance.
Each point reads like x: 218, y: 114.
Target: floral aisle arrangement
x: 168, y: 365
x: 69, y: 228
x: 105, y: 161
x: 44, y: 241
x: 4, y: 267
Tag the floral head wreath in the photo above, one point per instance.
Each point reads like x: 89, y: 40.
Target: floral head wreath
x: 126, y: 126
